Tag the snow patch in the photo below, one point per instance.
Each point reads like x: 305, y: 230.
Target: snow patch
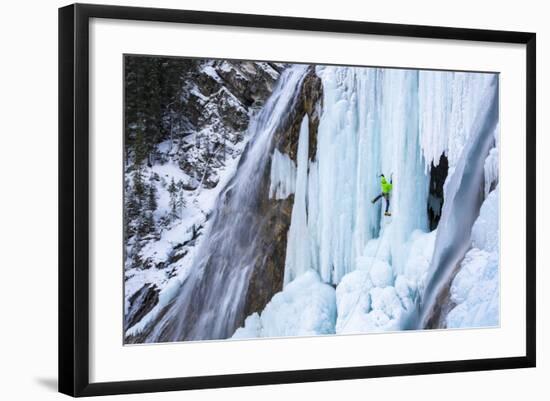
x: 211, y: 72
x: 165, y: 296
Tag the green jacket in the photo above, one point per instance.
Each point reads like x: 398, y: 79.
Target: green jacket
x: 386, y: 186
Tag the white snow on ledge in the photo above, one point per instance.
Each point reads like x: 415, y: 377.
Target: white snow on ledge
x: 165, y: 296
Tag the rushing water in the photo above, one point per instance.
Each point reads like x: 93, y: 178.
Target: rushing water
x: 210, y: 304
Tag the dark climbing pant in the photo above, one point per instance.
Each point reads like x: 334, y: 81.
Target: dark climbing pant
x: 386, y: 197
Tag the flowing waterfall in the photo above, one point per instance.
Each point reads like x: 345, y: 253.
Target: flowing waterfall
x: 211, y: 301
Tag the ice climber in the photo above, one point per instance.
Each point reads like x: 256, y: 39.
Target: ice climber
x: 386, y: 189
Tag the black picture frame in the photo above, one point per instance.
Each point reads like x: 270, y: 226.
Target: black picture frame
x: 74, y: 198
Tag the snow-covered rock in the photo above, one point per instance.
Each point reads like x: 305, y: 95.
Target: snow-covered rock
x: 164, y: 297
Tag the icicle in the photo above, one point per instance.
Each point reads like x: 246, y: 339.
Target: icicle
x: 282, y: 176
x: 448, y: 105
x: 298, y: 251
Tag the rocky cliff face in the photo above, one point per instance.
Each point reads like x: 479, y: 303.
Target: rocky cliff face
x: 217, y: 98
x: 274, y: 215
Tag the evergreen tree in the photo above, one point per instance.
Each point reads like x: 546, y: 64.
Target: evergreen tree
x: 147, y: 225
x: 152, y: 198
x: 140, y: 149
x: 181, y: 200
x: 173, y: 191
x: 154, y: 107
x: 137, y: 261
x: 129, y: 210
x: 139, y: 192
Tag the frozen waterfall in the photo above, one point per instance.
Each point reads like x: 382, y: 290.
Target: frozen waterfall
x: 369, y: 126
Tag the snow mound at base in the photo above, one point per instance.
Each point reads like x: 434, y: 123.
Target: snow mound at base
x: 353, y: 300
x: 375, y: 298
x: 387, y: 301
x: 252, y: 328
x: 305, y: 307
x: 475, y: 288
x: 363, y: 308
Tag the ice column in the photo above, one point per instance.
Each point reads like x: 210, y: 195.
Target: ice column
x: 298, y: 251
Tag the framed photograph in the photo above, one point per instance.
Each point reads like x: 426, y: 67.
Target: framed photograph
x: 250, y: 199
